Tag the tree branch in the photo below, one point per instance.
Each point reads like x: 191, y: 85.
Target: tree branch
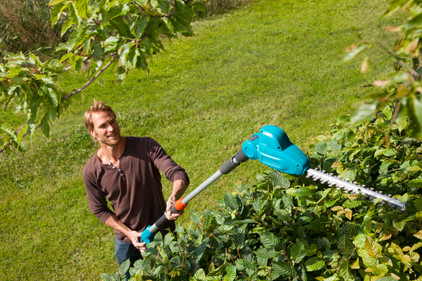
x: 74, y: 92
x: 11, y: 142
x: 6, y: 146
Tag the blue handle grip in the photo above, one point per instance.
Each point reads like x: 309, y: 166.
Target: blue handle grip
x: 147, y: 236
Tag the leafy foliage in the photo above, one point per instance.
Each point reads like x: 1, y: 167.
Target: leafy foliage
x: 127, y: 30
x: 124, y: 33
x: 378, y: 154
x: 403, y: 84
x: 290, y: 228
x: 30, y: 85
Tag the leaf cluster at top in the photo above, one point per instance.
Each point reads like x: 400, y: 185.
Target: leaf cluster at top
x: 102, y: 33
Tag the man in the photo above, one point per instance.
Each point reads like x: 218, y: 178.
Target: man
x: 125, y: 170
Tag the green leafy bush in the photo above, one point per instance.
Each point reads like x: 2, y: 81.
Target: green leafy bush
x: 403, y: 84
x: 291, y: 228
x: 378, y: 154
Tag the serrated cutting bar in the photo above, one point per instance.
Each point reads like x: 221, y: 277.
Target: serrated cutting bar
x: 352, y: 188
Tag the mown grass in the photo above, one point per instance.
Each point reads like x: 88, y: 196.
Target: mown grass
x: 271, y: 62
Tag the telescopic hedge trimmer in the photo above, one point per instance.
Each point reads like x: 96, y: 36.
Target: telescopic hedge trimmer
x: 272, y: 147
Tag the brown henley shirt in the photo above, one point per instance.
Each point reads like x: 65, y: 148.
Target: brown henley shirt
x: 134, y: 190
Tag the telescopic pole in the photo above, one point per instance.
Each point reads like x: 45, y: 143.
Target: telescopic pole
x: 228, y: 166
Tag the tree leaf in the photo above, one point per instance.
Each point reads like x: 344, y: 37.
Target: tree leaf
x: 297, y: 252
x: 266, y: 253
x: 367, y: 260
x: 269, y: 240
x: 345, y: 271
x: 230, y: 273
x: 387, y: 278
x: 55, y: 2
x: 304, y: 192
x: 82, y: 8
x: 200, y: 275
x: 284, y: 269
x: 415, y: 22
x: 56, y: 11
x: 244, y: 265
x: 111, y: 44
x: 349, y: 214
x: 364, y: 112
x: 348, y: 175
x: 109, y: 277
x: 384, y: 166
x: 355, y: 264
x: 66, y: 25
x: 121, y: 26
x: 45, y: 126
x: 399, y: 224
x: 21, y: 134
x: 314, y: 264
x: 53, y: 97
x: 199, y: 251
x: 401, y: 121
x: 231, y: 202
x: 385, y: 152
x: 279, y: 180
x: 418, y: 234
x: 388, y: 112
x: 140, y: 27
x: 321, y: 148
x: 164, y: 7
x: 7, y: 129
x: 168, y: 25
x: 124, y: 53
x: 148, y: 46
x: 354, y: 52
x: 373, y: 249
x: 414, y: 111
x: 124, y: 267
x: 149, y: 262
x: 73, y: 14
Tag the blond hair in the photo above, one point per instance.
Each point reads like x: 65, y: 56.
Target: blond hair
x: 97, y: 106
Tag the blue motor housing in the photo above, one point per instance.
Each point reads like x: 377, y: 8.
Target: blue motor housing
x: 273, y: 148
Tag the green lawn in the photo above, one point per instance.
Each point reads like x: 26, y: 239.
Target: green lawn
x: 271, y: 62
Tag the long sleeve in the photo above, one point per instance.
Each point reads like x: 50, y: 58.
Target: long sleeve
x: 96, y: 197
x: 165, y: 163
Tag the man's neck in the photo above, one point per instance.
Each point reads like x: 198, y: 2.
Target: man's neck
x: 111, y: 154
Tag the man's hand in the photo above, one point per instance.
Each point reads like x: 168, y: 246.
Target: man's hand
x: 179, y: 186
x: 169, y: 215
x: 135, y: 237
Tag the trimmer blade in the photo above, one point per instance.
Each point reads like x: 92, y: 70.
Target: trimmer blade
x: 331, y: 180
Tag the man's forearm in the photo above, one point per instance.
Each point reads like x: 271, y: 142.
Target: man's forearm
x: 134, y: 236
x: 116, y: 224
x: 179, y: 187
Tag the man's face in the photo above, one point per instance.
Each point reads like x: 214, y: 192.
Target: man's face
x: 106, y: 130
